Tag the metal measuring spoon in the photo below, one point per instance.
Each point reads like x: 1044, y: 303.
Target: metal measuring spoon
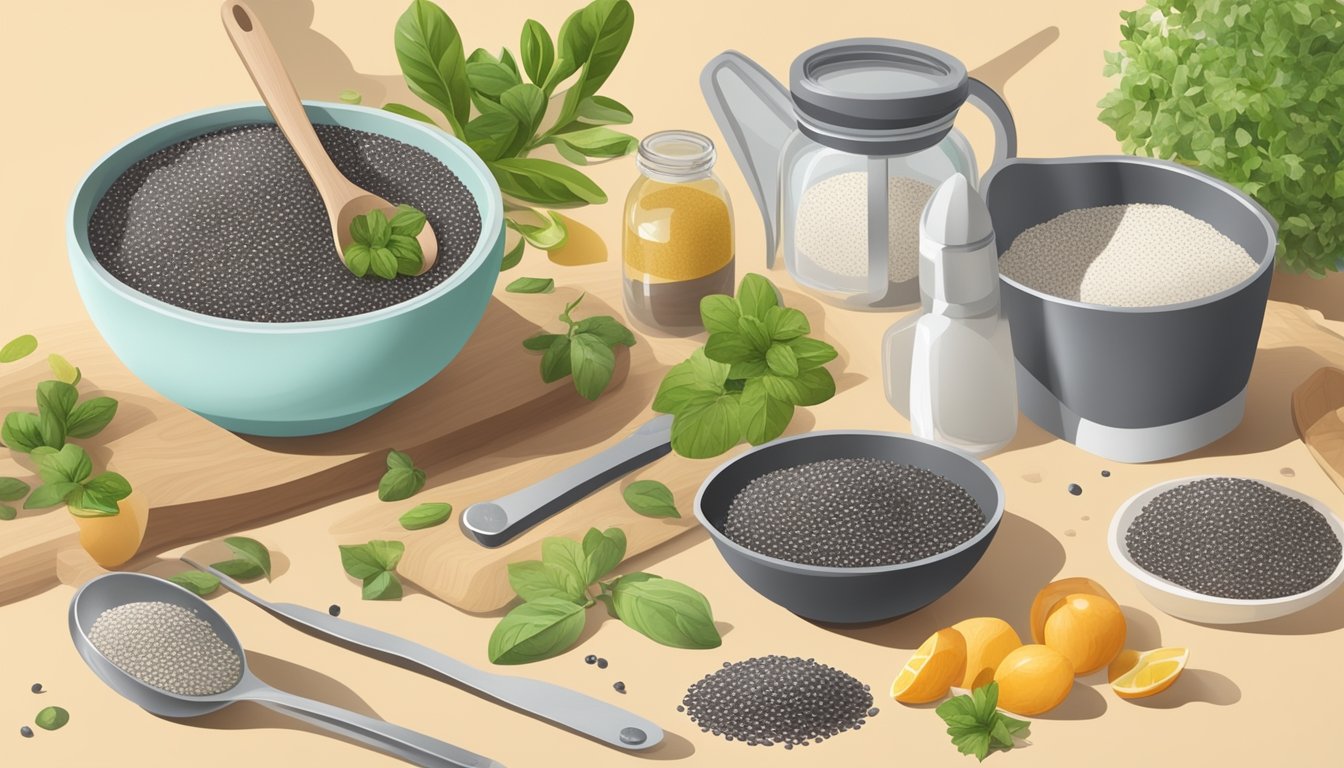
x: 115, y: 589
x: 491, y: 523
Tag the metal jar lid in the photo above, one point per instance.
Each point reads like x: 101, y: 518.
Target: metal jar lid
x: 877, y: 96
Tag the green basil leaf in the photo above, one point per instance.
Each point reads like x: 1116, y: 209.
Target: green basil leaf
x: 531, y: 285
x: 536, y: 630
x: 506, y: 59
x: 781, y: 360
x: 399, y: 460
x: 556, y: 362
x: 784, y: 324
x: 359, y: 231
x: 51, y: 718
x: 491, y: 134
x: 90, y: 417
x: 52, y: 429
x: 196, y: 582
x: 21, y: 431
x: 407, y: 221
x: 602, y: 551
x: 387, y: 553
x: 56, y: 399
x: 379, y: 229
x: 815, y: 386
x: 513, y: 256
x: 409, y: 257
x: 400, y: 484
x: 533, y: 580
x: 597, y: 142
x: 69, y: 465
x: 600, y: 110
x: 13, y: 489
x: 756, y: 295
x: 18, y: 348
x: 754, y: 331
x: 567, y: 555
x: 695, y: 375
x: 651, y: 498
x: 545, y: 182
x: 50, y: 494
x: 607, y: 328
x: 540, y: 342
x: 7, y: 512
x: 91, y: 502
x: 707, y: 425
x: 537, y: 51
x: 63, y: 370
x: 764, y: 418
x: 547, y: 237
x: 592, y: 41
x: 109, y: 486
x: 730, y: 347
x: 592, y: 363
x: 411, y: 112
x: 811, y: 353
x: 251, y: 551
x: 383, y: 263
x: 382, y: 586
x: 720, y: 313
x: 239, y: 569
x: 489, y: 78
x: 364, y: 560
x: 667, y: 612
x: 426, y: 516
x: 358, y: 257
x: 527, y: 103
x: 429, y: 50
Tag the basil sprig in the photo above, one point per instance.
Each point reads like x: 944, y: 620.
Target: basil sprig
x: 386, y: 247
x: 402, y: 480
x: 557, y: 591
x: 375, y: 564
x: 586, y: 351
x: 67, y: 477
x: 505, y: 111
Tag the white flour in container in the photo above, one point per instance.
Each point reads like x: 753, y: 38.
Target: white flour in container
x: 1136, y: 255
x: 831, y: 229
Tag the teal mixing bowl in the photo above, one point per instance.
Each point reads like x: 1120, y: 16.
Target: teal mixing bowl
x: 287, y: 379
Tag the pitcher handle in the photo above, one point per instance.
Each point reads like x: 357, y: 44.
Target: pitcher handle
x: 989, y: 101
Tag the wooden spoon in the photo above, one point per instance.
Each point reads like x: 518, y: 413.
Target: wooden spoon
x: 343, y: 200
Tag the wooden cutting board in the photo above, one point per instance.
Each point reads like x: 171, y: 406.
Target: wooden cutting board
x: 1318, y: 416
x: 202, y: 481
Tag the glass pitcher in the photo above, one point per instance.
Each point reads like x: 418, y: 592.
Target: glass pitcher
x: 842, y: 163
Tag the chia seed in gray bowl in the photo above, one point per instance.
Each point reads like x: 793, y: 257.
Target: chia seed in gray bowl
x: 228, y: 224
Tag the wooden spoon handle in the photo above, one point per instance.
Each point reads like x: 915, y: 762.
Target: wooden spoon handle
x: 277, y: 90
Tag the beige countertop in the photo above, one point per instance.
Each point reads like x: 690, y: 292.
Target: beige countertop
x: 85, y: 75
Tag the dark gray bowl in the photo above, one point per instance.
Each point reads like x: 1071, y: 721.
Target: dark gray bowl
x: 850, y: 595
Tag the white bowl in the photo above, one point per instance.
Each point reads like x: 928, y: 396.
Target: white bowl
x: 1207, y: 609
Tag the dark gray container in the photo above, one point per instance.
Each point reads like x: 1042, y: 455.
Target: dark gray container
x: 850, y: 595
x: 1131, y: 384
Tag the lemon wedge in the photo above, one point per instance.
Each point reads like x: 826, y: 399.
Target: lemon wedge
x: 933, y: 669
x: 1154, y: 672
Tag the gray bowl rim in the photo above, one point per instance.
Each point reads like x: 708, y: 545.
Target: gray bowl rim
x: 1263, y: 264
x: 492, y: 222
x: 1115, y: 541
x: 721, y: 539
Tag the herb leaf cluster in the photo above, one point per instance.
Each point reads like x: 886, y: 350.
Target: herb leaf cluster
x: 557, y: 591
x: 67, y: 478
x: 402, y: 480
x: 385, y: 247
x: 757, y: 365
x: 976, y: 725
x: 60, y: 416
x: 1249, y: 91
x: 586, y: 350
x: 505, y: 111
x: 251, y: 560
x: 375, y: 564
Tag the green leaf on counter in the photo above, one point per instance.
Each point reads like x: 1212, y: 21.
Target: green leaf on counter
x: 531, y: 285
x: 513, y: 256
x: 51, y: 718
x: 402, y: 479
x: 537, y: 629
x: 541, y: 342
x: 665, y: 611
x: 18, y: 348
x: 602, y: 551
x: 7, y: 512
x: 199, y: 583
x: 382, y: 586
x: 592, y: 363
x: 707, y: 425
x: 250, y: 552
x: 426, y: 516
x: 89, y: 418
x: 375, y: 565
x: 534, y: 579
x: 651, y: 498
x: 22, y: 431
x: 13, y: 489
x: 556, y: 362
x: 977, y: 727
x: 567, y: 555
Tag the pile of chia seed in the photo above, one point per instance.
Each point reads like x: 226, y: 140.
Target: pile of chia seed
x: 166, y: 646
x: 852, y: 513
x: 1234, y: 538
x: 229, y: 224
x: 778, y: 700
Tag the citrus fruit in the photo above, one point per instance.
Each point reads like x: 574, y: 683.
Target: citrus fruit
x: 934, y: 668
x: 1053, y: 593
x: 1033, y: 679
x: 1088, y: 629
x: 1123, y: 662
x: 1154, y: 672
x: 988, y: 640
x: 111, y: 540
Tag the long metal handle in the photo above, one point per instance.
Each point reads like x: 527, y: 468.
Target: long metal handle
x: 492, y: 523
x: 606, y: 722
x: 988, y: 100
x: 411, y: 746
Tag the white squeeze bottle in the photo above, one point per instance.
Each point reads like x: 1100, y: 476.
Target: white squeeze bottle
x: 963, y: 390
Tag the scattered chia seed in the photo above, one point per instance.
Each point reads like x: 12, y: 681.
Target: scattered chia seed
x: 1105, y: 473
x: 37, y: 688
x: 590, y: 659
x: 850, y: 513
x: 1234, y: 538
x: 229, y: 224
x: 680, y: 708
x: 168, y: 647
x: 334, y: 610
x: 601, y: 663
x: 1075, y: 489
x: 872, y: 712
x: 26, y: 732
x: 777, y: 700
x: 619, y: 686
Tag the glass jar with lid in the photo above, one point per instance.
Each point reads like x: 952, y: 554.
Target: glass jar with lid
x: 677, y: 244
x: 843, y: 161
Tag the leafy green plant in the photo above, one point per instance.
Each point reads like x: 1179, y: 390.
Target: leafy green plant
x: 586, y: 350
x: 386, y: 247
x: 375, y: 564
x: 1251, y: 91
x: 59, y: 416
x: 251, y: 559
x: 650, y: 498
x: 67, y: 478
x: 486, y: 102
x: 426, y: 516
x: 557, y: 591
x: 18, y: 348
x: 402, y: 480
x: 976, y: 725
x: 756, y: 366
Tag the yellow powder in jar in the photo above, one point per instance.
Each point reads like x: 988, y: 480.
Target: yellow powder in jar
x: 676, y: 232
